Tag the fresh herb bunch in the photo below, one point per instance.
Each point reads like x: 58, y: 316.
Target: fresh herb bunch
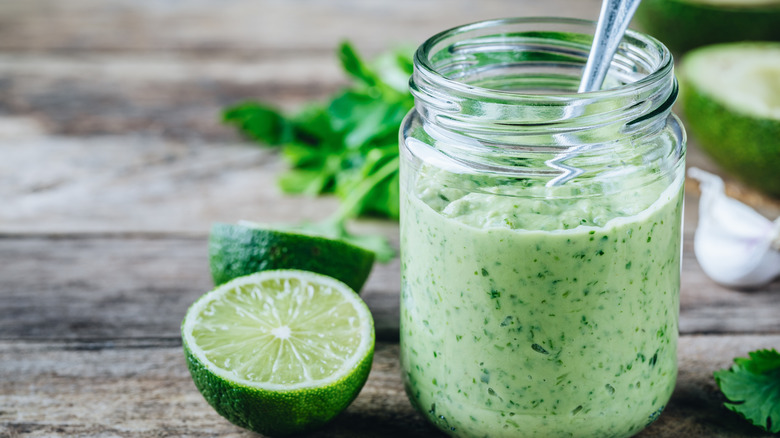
x: 752, y: 386
x: 347, y: 146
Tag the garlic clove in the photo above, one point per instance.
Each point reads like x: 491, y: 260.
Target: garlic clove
x: 735, y: 246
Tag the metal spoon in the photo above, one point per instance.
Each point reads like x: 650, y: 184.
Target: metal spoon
x: 613, y: 22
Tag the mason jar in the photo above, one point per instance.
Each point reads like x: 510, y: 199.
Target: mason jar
x: 540, y: 233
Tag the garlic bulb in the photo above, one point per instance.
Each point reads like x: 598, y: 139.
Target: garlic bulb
x: 735, y: 246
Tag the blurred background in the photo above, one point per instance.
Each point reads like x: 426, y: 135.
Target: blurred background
x: 104, y: 103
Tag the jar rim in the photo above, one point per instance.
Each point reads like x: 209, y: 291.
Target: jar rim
x: 662, y: 68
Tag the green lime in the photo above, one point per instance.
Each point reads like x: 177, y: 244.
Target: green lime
x: 730, y: 97
x: 686, y: 24
x: 279, y: 352
x: 236, y: 250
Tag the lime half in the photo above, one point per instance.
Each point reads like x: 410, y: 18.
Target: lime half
x: 236, y: 250
x: 280, y: 351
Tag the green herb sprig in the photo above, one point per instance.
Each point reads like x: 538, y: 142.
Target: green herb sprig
x: 752, y: 387
x: 347, y: 146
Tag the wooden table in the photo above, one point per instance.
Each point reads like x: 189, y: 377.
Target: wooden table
x: 113, y: 165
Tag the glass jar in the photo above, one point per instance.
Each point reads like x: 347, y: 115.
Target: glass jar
x: 540, y: 233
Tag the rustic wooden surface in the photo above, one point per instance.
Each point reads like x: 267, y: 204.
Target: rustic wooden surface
x: 113, y: 165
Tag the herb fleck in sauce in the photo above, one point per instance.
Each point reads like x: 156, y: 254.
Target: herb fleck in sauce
x: 538, y: 324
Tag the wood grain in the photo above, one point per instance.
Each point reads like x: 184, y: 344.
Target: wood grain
x: 114, y: 164
x: 141, y: 388
x: 179, y: 63
x: 139, y: 286
x: 117, y: 287
x: 133, y: 183
x: 253, y: 27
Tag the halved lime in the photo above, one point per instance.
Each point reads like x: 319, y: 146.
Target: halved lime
x: 237, y: 249
x: 730, y: 97
x: 281, y: 351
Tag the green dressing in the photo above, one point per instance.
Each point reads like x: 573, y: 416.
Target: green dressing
x: 522, y: 315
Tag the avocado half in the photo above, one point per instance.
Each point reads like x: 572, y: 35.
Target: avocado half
x: 730, y: 99
x: 683, y: 25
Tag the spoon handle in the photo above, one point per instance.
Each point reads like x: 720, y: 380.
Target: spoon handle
x: 613, y: 21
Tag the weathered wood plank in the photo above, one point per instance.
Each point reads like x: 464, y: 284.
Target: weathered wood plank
x: 170, y: 96
x: 141, y: 388
x: 61, y: 171
x: 71, y: 184
x: 125, y: 286
x: 65, y: 184
x: 706, y: 307
x: 767, y: 206
x: 255, y: 27
x: 136, y: 183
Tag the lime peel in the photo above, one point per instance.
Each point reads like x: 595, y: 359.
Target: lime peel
x: 242, y: 249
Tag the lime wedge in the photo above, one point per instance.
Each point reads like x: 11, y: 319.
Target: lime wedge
x: 281, y: 351
x: 730, y: 97
x: 236, y: 250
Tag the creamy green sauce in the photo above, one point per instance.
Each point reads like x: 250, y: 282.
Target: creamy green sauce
x: 539, y: 318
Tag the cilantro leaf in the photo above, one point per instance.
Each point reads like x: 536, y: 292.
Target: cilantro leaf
x: 260, y: 122
x: 309, y: 182
x: 752, y: 387
x: 355, y: 66
x: 347, y: 145
x: 375, y: 189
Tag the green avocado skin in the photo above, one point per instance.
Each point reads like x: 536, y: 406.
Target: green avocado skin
x: 683, y: 25
x: 237, y: 250
x: 746, y: 147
